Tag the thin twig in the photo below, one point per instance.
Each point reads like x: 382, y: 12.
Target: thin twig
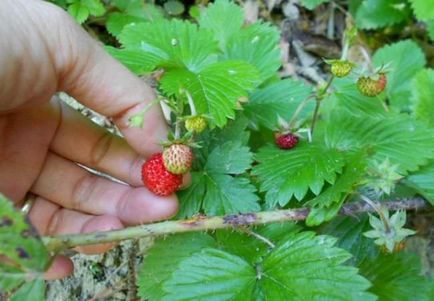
x: 259, y: 237
x: 57, y: 243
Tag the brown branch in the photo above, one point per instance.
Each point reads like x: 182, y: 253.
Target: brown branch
x: 200, y: 223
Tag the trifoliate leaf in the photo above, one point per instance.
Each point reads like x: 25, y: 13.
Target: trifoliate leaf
x: 279, y: 99
x: 423, y: 96
x: 326, y: 205
x: 79, y: 12
x: 311, y: 4
x: 423, y: 181
x: 164, y: 257
x: 217, y: 88
x: 349, y: 232
x: 26, y: 255
x: 34, y: 290
x: 373, y: 14
x: 309, y: 267
x: 136, y: 60
x: 405, y: 59
x: 176, y: 43
x: 229, y: 158
x: 287, y: 173
x: 396, y: 277
x: 257, y: 45
x: 226, y: 194
x: 423, y: 9
x: 399, y: 138
x: 224, y: 18
x: 211, y: 275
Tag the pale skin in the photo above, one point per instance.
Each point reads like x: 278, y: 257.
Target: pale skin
x: 43, y: 51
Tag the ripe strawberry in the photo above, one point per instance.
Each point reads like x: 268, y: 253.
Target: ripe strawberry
x: 195, y: 124
x: 177, y: 158
x: 369, y: 86
x: 157, y: 178
x: 286, y: 141
x: 341, y: 68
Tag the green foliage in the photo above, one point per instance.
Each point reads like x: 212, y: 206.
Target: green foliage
x: 422, y: 181
x: 396, y: 277
x: 284, y: 174
x: 240, y: 273
x: 311, y: 4
x: 26, y: 257
x: 423, y: 96
x: 403, y: 68
x: 373, y: 14
x: 423, y: 9
x: 82, y: 9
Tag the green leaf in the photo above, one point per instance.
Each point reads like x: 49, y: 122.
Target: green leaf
x: 422, y: 181
x: 279, y: 99
x: 326, y: 205
x: 229, y: 158
x: 164, y: 257
x: 406, y: 142
x: 95, y: 7
x: 190, y: 199
x: 226, y: 194
x: 311, y: 4
x: 117, y: 21
x: 257, y: 45
x: 284, y: 174
x: 215, y: 89
x: 406, y: 59
x: 19, y: 242
x: 211, y: 275
x: 79, y: 12
x: 396, y: 277
x: 174, y: 7
x: 423, y: 9
x: 34, y: 290
x: 374, y: 14
x: 430, y: 28
x: 223, y: 18
x: 309, y: 267
x: 423, y: 96
x: 349, y: 232
x: 176, y: 43
x: 136, y: 60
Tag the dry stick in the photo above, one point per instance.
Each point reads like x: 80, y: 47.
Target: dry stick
x: 58, y: 243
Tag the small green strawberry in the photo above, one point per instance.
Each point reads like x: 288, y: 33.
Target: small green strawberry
x: 341, y: 68
x: 195, y: 124
x: 372, y: 86
x: 177, y: 158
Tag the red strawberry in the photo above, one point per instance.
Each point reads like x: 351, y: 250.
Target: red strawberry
x: 177, y: 158
x: 157, y: 178
x: 286, y: 141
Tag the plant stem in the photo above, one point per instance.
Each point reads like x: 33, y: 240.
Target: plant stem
x: 191, y: 103
x: 298, y: 110
x: 319, y: 97
x: 58, y: 243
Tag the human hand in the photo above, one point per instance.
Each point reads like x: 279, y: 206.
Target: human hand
x: 43, y: 51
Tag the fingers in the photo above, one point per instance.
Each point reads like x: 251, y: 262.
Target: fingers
x: 61, y: 267
x: 72, y: 187
x: 51, y: 219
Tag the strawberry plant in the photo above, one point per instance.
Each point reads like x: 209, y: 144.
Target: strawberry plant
x: 264, y: 153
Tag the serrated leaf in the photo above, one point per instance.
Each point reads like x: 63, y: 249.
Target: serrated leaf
x: 309, y: 267
x: 326, y: 205
x: 279, y: 99
x: 257, y: 45
x: 396, y: 277
x: 79, y: 12
x: 95, y: 7
x: 287, y: 173
x: 405, y: 59
x: 423, y: 181
x: 229, y: 158
x: 226, y: 277
x: 373, y: 14
x: 216, y: 88
x: 176, y: 43
x: 136, y: 60
x: 349, y: 232
x: 190, y: 199
x: 223, y: 18
x: 117, y: 21
x: 423, y: 96
x: 226, y: 194
x: 423, y: 9
x: 164, y: 257
x: 312, y: 4
x: 34, y: 290
x: 406, y: 142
